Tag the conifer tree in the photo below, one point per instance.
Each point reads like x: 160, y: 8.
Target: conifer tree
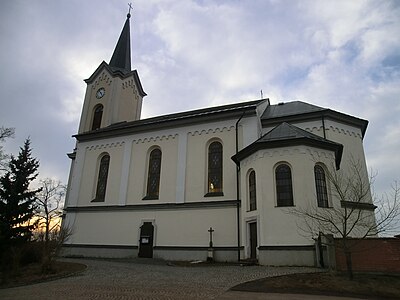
x: 16, y: 199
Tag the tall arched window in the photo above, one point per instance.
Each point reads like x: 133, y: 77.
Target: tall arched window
x: 252, y: 191
x: 153, y: 176
x: 215, y: 169
x: 97, y: 115
x: 320, y: 186
x: 102, y: 178
x: 284, y: 190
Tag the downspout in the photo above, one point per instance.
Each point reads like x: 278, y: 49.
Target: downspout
x: 237, y: 189
x: 323, y: 126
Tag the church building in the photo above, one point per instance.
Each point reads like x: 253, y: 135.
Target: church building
x: 215, y: 181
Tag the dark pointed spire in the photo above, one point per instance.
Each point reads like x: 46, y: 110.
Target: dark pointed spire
x: 121, y: 57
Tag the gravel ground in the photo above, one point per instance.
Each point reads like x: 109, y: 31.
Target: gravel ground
x: 145, y: 279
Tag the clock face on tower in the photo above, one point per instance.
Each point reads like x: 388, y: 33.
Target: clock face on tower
x: 100, y: 93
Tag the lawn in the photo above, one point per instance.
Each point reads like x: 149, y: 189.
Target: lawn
x: 369, y: 286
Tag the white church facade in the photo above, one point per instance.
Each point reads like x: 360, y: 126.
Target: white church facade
x: 155, y: 187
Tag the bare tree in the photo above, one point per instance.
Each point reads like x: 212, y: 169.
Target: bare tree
x: 352, y: 213
x: 4, y: 133
x: 49, y: 211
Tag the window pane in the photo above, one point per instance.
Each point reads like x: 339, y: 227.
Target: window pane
x: 320, y: 185
x: 252, y: 190
x: 153, y: 179
x: 102, y: 179
x: 215, y: 167
x: 284, y: 191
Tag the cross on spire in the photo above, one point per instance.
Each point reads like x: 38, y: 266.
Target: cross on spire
x: 130, y: 7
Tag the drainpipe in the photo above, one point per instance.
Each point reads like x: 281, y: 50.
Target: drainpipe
x: 323, y: 126
x: 237, y: 189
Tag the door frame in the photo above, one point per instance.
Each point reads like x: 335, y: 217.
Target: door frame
x: 248, y: 221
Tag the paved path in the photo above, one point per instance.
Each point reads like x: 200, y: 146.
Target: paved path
x: 147, y: 280
x: 230, y: 295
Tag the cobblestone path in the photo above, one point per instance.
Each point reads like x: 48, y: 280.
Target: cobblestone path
x: 145, y: 280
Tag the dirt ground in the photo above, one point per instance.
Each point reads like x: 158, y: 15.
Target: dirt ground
x: 33, y: 274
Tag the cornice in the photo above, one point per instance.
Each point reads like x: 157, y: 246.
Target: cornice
x: 105, y: 146
x: 155, y: 138
x: 116, y: 73
x: 303, y: 150
x: 211, y: 130
x: 214, y: 114
x: 156, y: 206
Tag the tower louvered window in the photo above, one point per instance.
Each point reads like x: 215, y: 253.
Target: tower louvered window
x: 153, y: 178
x: 102, y: 178
x: 97, y: 115
x: 284, y: 190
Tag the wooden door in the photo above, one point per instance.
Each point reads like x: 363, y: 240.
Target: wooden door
x: 146, y: 240
x: 253, y: 240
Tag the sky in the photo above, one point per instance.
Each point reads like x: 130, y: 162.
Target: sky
x: 343, y: 55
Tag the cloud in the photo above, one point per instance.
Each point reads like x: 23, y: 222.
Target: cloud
x: 342, y: 55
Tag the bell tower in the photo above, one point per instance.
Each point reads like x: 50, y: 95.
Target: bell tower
x: 114, y: 93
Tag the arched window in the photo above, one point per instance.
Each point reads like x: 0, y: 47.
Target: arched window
x: 215, y: 169
x: 252, y: 190
x: 284, y: 190
x: 97, y: 115
x: 320, y: 186
x: 153, y: 176
x: 102, y: 178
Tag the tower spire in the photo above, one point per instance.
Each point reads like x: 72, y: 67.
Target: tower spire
x: 121, y: 57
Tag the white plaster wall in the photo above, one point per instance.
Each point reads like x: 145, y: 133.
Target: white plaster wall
x: 121, y: 101
x: 197, y: 158
x: 347, y: 135
x: 275, y: 225
x: 88, y: 180
x: 141, y: 148
x: 103, y: 80
x: 171, y: 227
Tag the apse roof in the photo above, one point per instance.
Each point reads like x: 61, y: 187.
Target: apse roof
x: 285, y: 135
x: 297, y: 111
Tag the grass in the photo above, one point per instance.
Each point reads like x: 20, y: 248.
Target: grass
x: 370, y: 286
x: 32, y: 273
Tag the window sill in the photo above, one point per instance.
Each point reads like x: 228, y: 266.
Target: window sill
x: 150, y: 198
x: 215, y: 194
x: 97, y: 200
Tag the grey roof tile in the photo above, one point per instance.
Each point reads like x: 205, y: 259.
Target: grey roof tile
x: 289, y: 108
x: 287, y: 135
x: 121, y: 58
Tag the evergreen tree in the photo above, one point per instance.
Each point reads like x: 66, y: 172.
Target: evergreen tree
x: 17, y: 201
